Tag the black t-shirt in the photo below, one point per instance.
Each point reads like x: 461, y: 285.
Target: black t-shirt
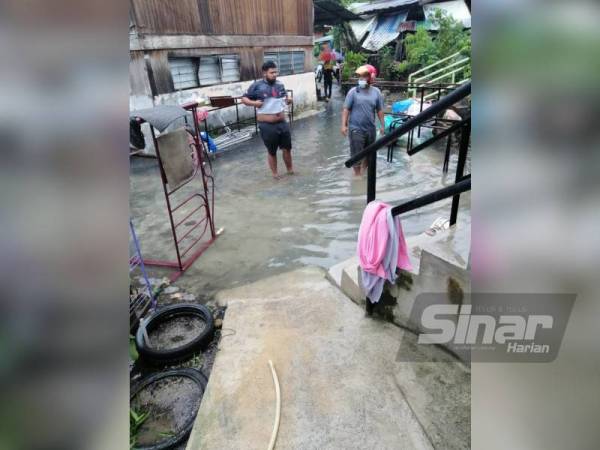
x: 261, y: 89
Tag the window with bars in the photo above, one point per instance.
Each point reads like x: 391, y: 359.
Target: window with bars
x: 190, y: 73
x: 288, y: 63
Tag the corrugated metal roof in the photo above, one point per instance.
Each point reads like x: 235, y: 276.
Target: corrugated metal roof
x: 328, y: 12
x: 381, y: 5
x: 328, y: 38
x: 456, y: 9
x: 386, y: 30
x: 362, y: 27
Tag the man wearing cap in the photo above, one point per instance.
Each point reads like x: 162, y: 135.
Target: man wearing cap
x: 363, y: 103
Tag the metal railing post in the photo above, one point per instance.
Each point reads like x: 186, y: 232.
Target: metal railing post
x: 412, y: 123
x: 371, y: 177
x: 421, y: 109
x: 447, y: 154
x: 460, y: 167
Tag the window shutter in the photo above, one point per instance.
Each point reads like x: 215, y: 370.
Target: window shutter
x: 298, y: 62
x: 285, y: 63
x: 230, y: 68
x: 209, y: 71
x: 184, y: 73
x: 272, y: 57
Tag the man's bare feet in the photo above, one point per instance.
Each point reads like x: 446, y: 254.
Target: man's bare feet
x: 292, y: 172
x: 276, y: 176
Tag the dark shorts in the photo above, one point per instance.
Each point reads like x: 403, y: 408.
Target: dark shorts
x: 276, y: 135
x: 359, y: 140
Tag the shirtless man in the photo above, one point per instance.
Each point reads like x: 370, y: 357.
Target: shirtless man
x: 269, y: 97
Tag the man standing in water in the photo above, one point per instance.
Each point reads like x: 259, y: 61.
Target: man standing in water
x: 269, y: 97
x: 362, y: 104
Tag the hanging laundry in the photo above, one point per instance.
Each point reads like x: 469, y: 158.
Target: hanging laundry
x: 381, y: 249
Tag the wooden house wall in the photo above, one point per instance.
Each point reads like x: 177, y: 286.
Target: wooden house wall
x: 224, y: 17
x: 193, y: 28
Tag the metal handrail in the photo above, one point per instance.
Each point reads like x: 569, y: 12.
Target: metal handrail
x: 438, y: 137
x: 461, y: 183
x: 449, y: 66
x: 435, y: 196
x: 437, y: 63
x: 430, y: 66
x: 446, y: 101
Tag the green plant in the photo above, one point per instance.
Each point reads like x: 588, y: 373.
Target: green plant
x: 166, y: 434
x: 423, y: 48
x: 136, y: 420
x: 386, y: 63
x: 420, y: 49
x: 352, y: 61
x: 338, y: 34
x: 316, y: 50
x: 451, y: 37
x: 133, y: 354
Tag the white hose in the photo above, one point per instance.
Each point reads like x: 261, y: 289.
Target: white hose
x: 277, y: 407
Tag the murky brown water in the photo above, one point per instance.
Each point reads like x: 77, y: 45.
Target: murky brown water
x: 309, y: 218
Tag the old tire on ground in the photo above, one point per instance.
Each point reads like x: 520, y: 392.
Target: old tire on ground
x: 155, y: 356
x: 196, y: 376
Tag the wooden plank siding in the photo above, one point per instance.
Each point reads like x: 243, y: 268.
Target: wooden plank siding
x: 138, y: 76
x: 224, y: 17
x: 193, y: 28
x: 161, y: 72
x: 167, y: 17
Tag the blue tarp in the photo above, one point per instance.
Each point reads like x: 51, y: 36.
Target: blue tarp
x: 212, y: 147
x: 401, y: 105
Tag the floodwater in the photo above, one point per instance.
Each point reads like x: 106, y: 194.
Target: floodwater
x: 310, y: 218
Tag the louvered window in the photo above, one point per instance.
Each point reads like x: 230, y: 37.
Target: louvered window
x: 184, y: 72
x: 288, y: 63
x: 190, y: 73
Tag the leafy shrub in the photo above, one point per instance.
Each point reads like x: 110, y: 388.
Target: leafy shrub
x: 352, y: 61
x: 423, y: 49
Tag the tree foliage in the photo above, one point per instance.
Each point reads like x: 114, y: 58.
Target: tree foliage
x: 352, y: 61
x: 422, y: 48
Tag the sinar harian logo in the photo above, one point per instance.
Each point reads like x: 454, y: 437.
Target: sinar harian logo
x: 482, y: 329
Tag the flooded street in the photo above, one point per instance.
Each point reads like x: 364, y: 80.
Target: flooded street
x: 310, y: 218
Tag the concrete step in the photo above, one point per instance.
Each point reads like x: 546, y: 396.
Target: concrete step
x: 345, y: 275
x: 450, y: 246
x: 342, y: 384
x: 440, y: 265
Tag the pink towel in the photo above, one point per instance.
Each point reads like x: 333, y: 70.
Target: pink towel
x: 373, y: 236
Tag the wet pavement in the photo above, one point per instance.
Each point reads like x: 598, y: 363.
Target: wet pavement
x: 310, y: 218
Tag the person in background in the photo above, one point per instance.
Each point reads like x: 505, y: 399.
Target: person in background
x: 328, y: 59
x: 337, y: 71
x: 363, y: 103
x: 270, y: 98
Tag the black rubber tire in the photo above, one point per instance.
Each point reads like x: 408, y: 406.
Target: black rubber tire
x: 154, y: 356
x: 195, y: 375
